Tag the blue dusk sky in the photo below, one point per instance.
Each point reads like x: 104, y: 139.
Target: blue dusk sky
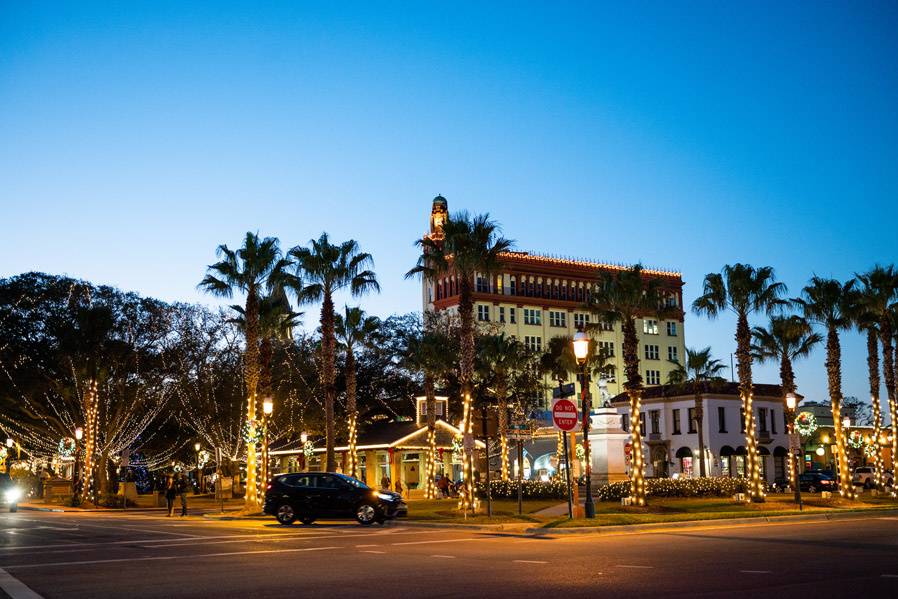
x: 136, y: 137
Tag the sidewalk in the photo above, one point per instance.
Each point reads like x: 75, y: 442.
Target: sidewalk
x: 194, y: 502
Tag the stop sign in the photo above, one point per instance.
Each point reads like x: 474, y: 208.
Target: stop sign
x: 564, y: 415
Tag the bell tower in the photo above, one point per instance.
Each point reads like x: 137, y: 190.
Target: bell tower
x: 438, y: 214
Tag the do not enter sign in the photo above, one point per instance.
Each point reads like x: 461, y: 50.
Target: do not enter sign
x: 564, y: 415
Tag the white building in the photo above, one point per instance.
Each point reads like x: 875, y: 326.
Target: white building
x: 671, y: 436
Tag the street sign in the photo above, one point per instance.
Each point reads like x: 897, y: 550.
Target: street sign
x: 564, y: 391
x: 565, y: 416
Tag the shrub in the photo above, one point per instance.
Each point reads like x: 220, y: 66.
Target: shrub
x: 679, y: 487
x: 530, y: 489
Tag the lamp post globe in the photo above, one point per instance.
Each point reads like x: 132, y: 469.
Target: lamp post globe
x: 9, y: 441
x: 79, y: 433
x: 791, y: 401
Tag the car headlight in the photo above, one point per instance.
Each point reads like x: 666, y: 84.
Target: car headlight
x: 12, y: 495
x: 385, y: 497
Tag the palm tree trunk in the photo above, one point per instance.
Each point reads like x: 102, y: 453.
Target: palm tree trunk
x: 328, y: 375
x: 787, y: 382
x: 466, y: 314
x: 743, y: 359
x: 834, y: 378
x: 873, y: 371
x: 430, y: 488
x: 634, y: 391
x: 889, y: 374
x: 699, y: 416
x: 251, y: 375
x: 352, y: 409
x: 502, y: 400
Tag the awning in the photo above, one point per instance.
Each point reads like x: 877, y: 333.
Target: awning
x: 741, y: 451
x: 726, y: 451
x: 763, y: 451
x: 684, y: 452
x: 780, y: 451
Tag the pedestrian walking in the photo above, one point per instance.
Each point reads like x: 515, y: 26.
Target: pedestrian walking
x: 170, y: 491
x: 183, y: 485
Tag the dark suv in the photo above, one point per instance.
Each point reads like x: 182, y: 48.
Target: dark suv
x: 309, y: 496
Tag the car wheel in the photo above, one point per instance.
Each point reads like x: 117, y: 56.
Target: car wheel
x: 366, y: 514
x: 286, y: 514
x: 307, y: 521
x: 812, y: 489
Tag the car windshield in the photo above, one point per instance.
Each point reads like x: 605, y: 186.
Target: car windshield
x: 353, y: 481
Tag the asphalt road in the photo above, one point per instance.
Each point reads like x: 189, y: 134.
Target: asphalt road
x: 145, y: 555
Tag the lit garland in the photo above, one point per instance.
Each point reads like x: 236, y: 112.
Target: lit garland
x: 756, y: 488
x: 353, y: 442
x: 637, y: 469
x: 466, y: 498
x: 430, y: 487
x: 308, y: 450
x: 91, y: 408
x: 581, y: 452
x: 503, y: 447
x: 806, y: 424
x: 66, y: 447
x: 3, y: 454
x: 846, y: 487
x: 721, y: 486
x: 856, y: 440
x: 252, y: 433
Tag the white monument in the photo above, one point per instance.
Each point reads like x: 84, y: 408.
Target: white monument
x: 606, y: 441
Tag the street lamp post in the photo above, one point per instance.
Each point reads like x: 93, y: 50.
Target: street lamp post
x: 267, y: 409
x: 304, y: 438
x: 9, y: 444
x: 791, y: 405
x: 199, y: 480
x: 581, y: 351
x: 76, y: 467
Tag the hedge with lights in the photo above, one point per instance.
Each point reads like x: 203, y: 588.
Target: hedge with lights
x: 530, y: 489
x: 677, y: 487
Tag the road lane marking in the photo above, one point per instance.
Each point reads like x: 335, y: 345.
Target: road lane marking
x: 530, y: 561
x: 756, y: 571
x: 445, y: 541
x: 15, y: 588
x: 163, y: 557
x: 634, y: 567
x: 444, y: 556
x: 370, y: 545
x: 889, y: 576
x: 372, y: 551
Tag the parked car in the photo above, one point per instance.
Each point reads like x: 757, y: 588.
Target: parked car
x: 310, y: 496
x: 10, y: 492
x: 813, y: 482
x: 863, y: 476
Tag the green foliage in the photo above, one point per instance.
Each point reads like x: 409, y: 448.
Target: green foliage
x: 530, y: 489
x: 680, y: 487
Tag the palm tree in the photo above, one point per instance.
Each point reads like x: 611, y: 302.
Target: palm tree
x: 354, y: 329
x: 276, y: 322
x: 502, y: 358
x: 699, y: 368
x: 743, y: 289
x: 829, y: 303
x: 325, y: 269
x: 426, y: 353
x: 785, y: 340
x: 623, y: 297
x: 467, y: 246
x: 255, y: 267
x: 878, y: 289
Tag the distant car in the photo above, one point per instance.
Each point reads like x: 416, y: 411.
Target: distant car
x: 813, y: 482
x: 863, y: 476
x: 10, y: 492
x: 310, y: 496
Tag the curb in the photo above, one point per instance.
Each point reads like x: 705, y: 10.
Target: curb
x: 711, y: 523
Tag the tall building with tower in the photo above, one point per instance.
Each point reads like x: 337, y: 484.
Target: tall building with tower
x: 536, y: 297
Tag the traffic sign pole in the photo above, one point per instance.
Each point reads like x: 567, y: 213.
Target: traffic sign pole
x: 567, y: 468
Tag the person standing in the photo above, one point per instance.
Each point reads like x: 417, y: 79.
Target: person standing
x: 170, y: 492
x: 183, y: 485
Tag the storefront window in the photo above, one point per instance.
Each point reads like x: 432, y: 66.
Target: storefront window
x: 725, y: 466
x: 740, y: 466
x: 686, y: 466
